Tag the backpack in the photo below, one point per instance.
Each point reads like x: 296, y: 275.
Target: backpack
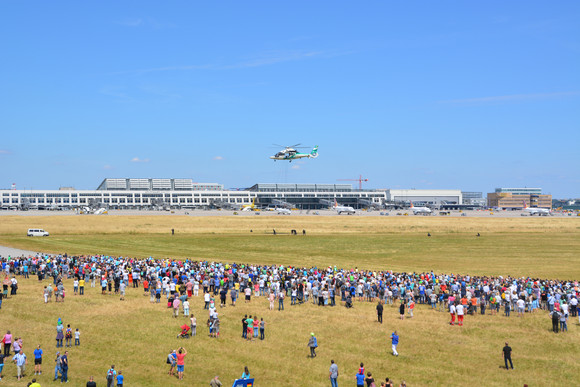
x: 110, y: 374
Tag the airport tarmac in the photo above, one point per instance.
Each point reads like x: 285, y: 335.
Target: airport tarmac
x: 327, y: 212
x: 12, y: 252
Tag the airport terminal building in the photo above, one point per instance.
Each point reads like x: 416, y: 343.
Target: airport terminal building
x: 130, y: 193
x: 514, y: 198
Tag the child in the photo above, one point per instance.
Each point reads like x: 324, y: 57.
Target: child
x: 68, y: 336
x: 120, y: 379
x: 76, y: 286
x: 1, y: 365
x: 186, y: 308
x: 77, y: 337
x: 122, y: 286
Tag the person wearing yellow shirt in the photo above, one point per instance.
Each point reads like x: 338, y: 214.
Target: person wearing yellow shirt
x: 82, y: 286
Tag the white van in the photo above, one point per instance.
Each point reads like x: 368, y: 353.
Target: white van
x: 37, y: 232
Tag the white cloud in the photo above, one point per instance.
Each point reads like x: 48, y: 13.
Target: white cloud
x: 218, y: 158
x: 510, y: 98
x: 108, y: 167
x: 132, y: 22
x: 4, y: 152
x: 295, y: 166
x: 138, y: 160
x: 265, y: 58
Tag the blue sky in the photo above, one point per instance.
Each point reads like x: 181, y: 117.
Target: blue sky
x: 461, y: 95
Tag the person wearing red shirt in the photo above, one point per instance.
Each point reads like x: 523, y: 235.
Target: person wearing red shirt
x: 181, y: 362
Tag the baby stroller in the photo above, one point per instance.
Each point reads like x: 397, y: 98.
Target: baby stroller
x: 300, y: 298
x: 348, y: 302
x: 184, y: 334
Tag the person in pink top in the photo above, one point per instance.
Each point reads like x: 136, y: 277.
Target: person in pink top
x: 189, y: 288
x: 181, y: 362
x: 7, y: 341
x: 176, y: 303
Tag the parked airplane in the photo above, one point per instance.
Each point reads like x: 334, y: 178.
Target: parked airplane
x: 420, y: 210
x: 250, y: 207
x: 283, y: 211
x: 536, y: 211
x: 343, y: 209
x: 88, y: 210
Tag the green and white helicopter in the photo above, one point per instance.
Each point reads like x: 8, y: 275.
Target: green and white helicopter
x: 290, y: 153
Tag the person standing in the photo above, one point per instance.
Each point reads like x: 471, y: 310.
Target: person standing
x: 111, y: 375
x: 402, y: 310
x: 176, y: 304
x: 245, y: 327
x: 37, y: 360
x: 91, y: 382
x: 281, y: 296
x: 77, y: 337
x: 249, y: 327
x: 262, y: 328
x: 21, y: 361
x: 64, y: 367
x: 507, y: 356
x: 246, y: 373
x: 380, y: 311
x: 460, y: 313
x: 333, y: 374
x: 1, y: 362
x: 360, y: 379
x: 193, y: 325
x: 394, y: 343
x: 181, y: 362
x: 56, y: 365
x: 555, y: 320
x: 312, y: 344
x: 120, y: 379
x: 7, y: 341
x: 452, y: 313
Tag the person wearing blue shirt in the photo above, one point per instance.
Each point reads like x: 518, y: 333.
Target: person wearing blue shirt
x: 37, y: 360
x: 246, y: 374
x: 360, y: 379
x: 395, y: 342
x: 120, y: 379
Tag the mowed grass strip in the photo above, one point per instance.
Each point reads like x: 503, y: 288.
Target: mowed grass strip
x: 538, y: 255
x: 159, y: 224
x: 136, y: 336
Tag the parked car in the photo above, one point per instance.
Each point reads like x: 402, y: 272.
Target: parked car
x: 37, y: 232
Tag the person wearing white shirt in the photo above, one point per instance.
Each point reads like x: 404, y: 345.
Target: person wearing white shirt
x: 521, y: 304
x: 452, y: 311
x: 459, y: 309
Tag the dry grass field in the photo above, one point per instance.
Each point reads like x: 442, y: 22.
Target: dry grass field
x: 536, y: 247
x: 136, y: 335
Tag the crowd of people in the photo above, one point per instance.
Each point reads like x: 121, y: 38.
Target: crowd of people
x: 179, y: 280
